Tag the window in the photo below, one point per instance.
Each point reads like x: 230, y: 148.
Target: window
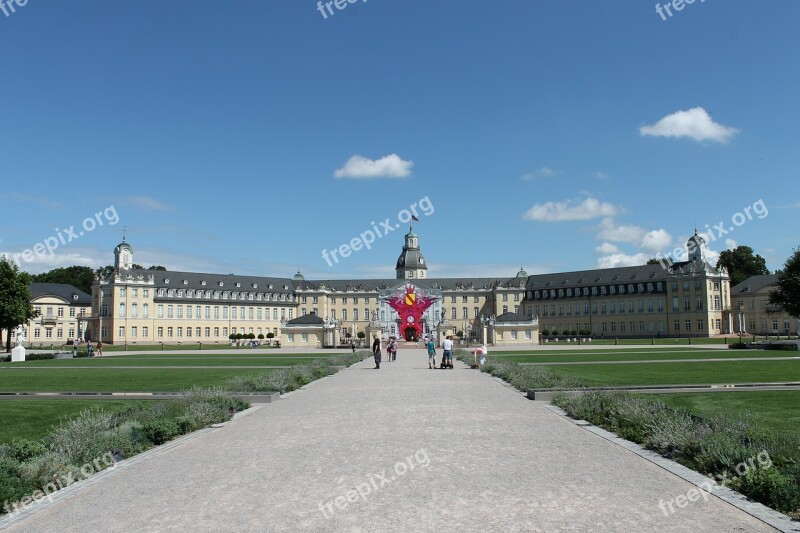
x: 134, y: 332
x: 453, y: 312
x: 700, y: 325
x: 145, y: 331
x: 134, y: 310
x: 475, y: 311
x: 688, y: 325
x: 72, y: 312
x: 677, y: 325
x: 122, y: 332
x: 169, y: 311
x: 122, y: 310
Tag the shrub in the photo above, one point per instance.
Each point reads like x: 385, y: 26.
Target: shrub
x: 737, y: 346
x: 545, y: 332
x: 80, y: 439
x: 49, y: 467
x: 161, y: 430
x: 22, y: 450
x: 770, y: 487
x: 12, y: 487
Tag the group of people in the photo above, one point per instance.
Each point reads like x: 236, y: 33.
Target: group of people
x: 90, y: 349
x: 479, y: 354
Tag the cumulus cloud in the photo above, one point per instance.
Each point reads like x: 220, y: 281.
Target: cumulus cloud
x: 730, y: 244
x: 543, y: 172
x: 611, y: 231
x: 588, y: 209
x: 601, y: 175
x: 695, y: 123
x: 390, y: 166
x: 622, y: 260
x: 607, y: 249
x: 656, y: 241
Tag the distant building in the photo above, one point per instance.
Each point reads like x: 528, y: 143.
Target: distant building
x: 690, y: 298
x: 64, y: 313
x: 752, y: 314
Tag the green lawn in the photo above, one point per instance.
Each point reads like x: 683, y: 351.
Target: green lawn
x: 33, y: 419
x: 148, y: 347
x: 684, y: 373
x: 166, y: 360
x: 114, y: 380
x: 675, y: 342
x: 769, y: 410
x: 635, y: 355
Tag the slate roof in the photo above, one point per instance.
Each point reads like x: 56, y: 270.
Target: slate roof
x: 70, y: 293
x: 754, y: 284
x: 374, y: 285
x: 194, y: 280
x: 306, y: 320
x: 512, y: 317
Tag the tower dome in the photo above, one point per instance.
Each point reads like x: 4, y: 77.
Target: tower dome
x: 298, y: 277
x: 696, y: 247
x: 123, y: 255
x: 411, y: 264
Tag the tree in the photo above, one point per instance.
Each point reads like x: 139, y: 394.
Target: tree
x: 787, y: 295
x: 15, y: 298
x: 653, y: 261
x: 104, y: 272
x: 741, y: 263
x: 157, y: 267
x: 78, y: 276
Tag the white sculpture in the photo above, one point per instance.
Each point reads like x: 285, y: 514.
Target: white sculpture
x: 18, y: 353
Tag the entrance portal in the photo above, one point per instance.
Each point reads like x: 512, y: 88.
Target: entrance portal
x: 411, y: 333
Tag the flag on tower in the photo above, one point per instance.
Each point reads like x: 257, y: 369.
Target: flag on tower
x: 415, y: 219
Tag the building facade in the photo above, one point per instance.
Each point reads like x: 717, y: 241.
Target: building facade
x: 64, y: 315
x: 690, y: 298
x: 752, y: 314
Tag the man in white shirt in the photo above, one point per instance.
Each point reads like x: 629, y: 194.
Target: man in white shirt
x: 447, y: 348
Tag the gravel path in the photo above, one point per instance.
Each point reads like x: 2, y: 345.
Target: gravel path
x: 429, y: 450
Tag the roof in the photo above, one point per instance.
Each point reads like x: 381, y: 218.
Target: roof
x: 70, y: 293
x: 511, y: 317
x: 754, y: 284
x: 306, y: 320
x: 170, y: 279
x: 375, y: 285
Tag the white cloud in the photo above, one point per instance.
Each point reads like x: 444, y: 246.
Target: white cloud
x: 543, y: 172
x: 564, y: 211
x: 611, y: 231
x: 607, y: 249
x: 622, y: 260
x: 656, y: 241
x: 41, y: 201
x: 601, y: 175
x: 390, y: 166
x: 730, y: 244
x: 695, y: 123
x: 147, y: 203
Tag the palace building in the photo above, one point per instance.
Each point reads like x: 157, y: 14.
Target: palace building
x: 690, y: 298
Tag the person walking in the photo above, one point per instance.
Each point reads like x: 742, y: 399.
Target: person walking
x: 376, y: 352
x: 391, y: 349
x: 89, y: 349
x: 447, y: 348
x: 99, y: 349
x: 75, y: 344
x: 479, y: 356
x: 431, y: 353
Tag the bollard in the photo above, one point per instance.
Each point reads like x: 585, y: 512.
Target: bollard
x: 616, y: 341
x: 652, y: 341
x: 690, y: 341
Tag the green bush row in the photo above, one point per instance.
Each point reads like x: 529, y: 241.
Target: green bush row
x: 716, y: 447
x: 74, y: 449
x: 284, y: 380
x: 524, y: 377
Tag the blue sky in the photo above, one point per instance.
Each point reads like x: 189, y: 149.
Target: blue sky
x: 550, y: 135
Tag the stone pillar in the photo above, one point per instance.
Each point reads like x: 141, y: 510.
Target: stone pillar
x: 18, y: 354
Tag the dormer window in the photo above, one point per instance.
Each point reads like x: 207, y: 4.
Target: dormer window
x: 220, y: 284
x: 75, y: 297
x: 238, y: 284
x: 166, y: 281
x: 269, y: 286
x: 203, y: 283
x: 255, y: 285
x: 186, y: 282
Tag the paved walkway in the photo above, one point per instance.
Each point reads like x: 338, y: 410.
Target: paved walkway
x: 414, y: 449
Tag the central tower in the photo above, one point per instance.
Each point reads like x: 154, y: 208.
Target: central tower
x: 411, y: 264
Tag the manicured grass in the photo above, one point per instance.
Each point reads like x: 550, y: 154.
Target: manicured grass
x: 150, y: 347
x: 767, y: 410
x: 673, y: 341
x: 33, y: 419
x: 165, y: 360
x: 115, y: 380
x: 635, y: 355
x: 684, y: 373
